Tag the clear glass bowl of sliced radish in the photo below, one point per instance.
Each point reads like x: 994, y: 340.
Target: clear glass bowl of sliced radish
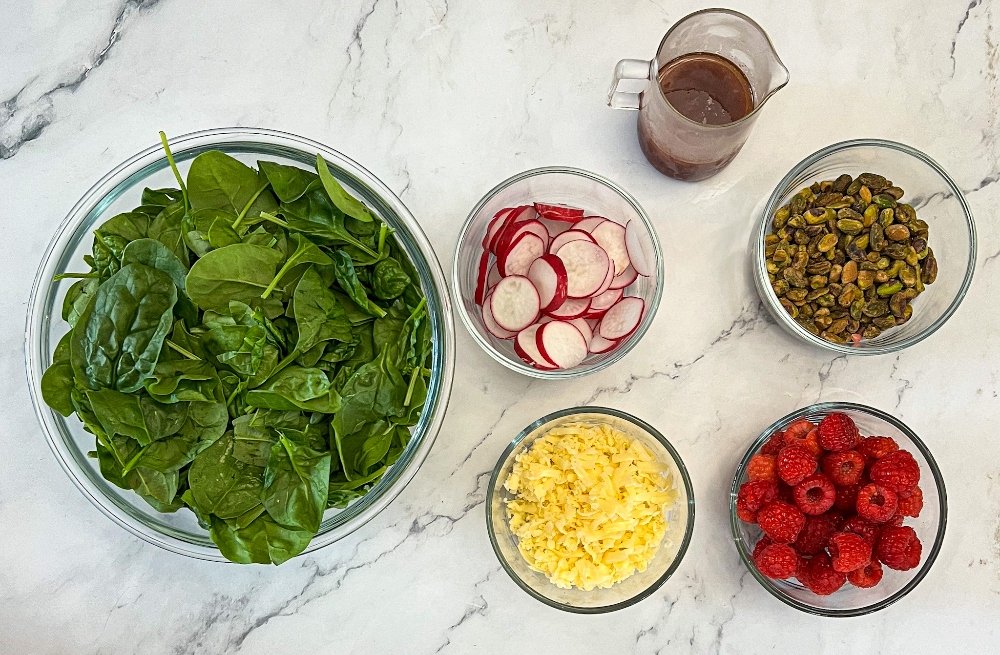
x: 558, y: 271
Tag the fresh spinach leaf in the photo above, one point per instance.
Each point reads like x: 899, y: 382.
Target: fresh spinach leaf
x: 57, y: 381
x: 348, y: 280
x: 389, y: 280
x: 238, y: 272
x: 136, y: 416
x: 296, y: 481
x: 288, y: 182
x: 221, y: 484
x: 345, y: 202
x: 319, y: 316
x: 296, y: 388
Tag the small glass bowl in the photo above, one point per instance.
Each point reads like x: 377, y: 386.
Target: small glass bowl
x: 937, y: 199
x: 929, y: 526
x: 570, y: 186
x: 119, y: 191
x: 680, y: 518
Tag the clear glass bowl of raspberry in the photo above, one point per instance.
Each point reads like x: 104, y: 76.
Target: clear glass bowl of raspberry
x: 838, y: 509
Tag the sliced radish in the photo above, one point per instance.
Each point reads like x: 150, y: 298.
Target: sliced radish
x: 599, y: 344
x: 608, y: 279
x: 548, y: 274
x: 526, y: 347
x: 516, y: 259
x: 514, y: 303
x: 588, y: 224
x: 611, y: 236
x: 606, y: 299
x: 562, y: 344
x: 555, y: 228
x: 638, y: 251
x: 493, y: 277
x: 569, y: 235
x: 491, y: 324
x: 586, y: 267
x: 555, y: 212
x: 572, y: 308
x: 514, y: 231
x: 506, y: 224
x: 628, y: 276
x: 494, y: 226
x: 622, y: 319
x: 584, y: 327
x: 481, y: 275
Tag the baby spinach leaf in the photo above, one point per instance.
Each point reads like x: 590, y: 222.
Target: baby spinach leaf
x: 288, y: 182
x: 117, y: 340
x: 342, y: 200
x: 305, y: 252
x: 77, y: 298
x: 168, y: 228
x: 296, y: 388
x: 218, y: 181
x: 319, y: 316
x: 161, y: 197
x: 57, y: 381
x: 348, y: 280
x: 183, y: 380
x: 156, y: 487
x: 204, y: 424
x: 238, y: 272
x: 389, y: 280
x: 221, y: 484
x: 136, y: 416
x: 154, y: 254
x: 261, y: 542
x: 295, y: 485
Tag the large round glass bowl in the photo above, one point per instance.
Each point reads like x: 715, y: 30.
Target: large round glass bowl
x: 929, y: 526
x: 119, y: 191
x: 569, y: 186
x: 937, y: 199
x: 679, y: 517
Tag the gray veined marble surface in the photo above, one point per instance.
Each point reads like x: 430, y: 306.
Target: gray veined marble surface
x: 442, y: 99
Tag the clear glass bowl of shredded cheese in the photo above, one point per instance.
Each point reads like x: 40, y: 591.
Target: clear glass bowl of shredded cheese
x: 590, y: 509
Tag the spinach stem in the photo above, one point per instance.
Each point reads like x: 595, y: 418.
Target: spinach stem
x: 182, y: 351
x: 68, y: 276
x: 173, y: 167
x: 132, y: 462
x: 409, y: 388
x: 382, y: 234
x: 246, y: 207
x: 273, y: 219
x: 281, y: 273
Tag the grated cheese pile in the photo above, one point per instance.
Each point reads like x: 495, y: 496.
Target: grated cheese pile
x: 588, y: 506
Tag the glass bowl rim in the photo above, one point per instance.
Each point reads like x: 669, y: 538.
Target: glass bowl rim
x: 131, y: 173
x: 579, y: 371
x: 823, y: 408
x: 685, y: 480
x: 773, y: 202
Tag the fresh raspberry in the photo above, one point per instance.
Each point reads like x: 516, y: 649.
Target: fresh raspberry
x: 898, y: 548
x: 820, y: 576
x: 752, y: 496
x: 838, y: 432
x: 763, y: 543
x: 849, y: 551
x: 780, y: 521
x: 795, y: 464
x: 897, y: 471
x: 815, y: 494
x: 878, y: 447
x: 910, y: 502
x: 859, y: 526
x: 844, y: 468
x: 774, y: 443
x: 875, y: 503
x: 798, y: 429
x: 778, y: 561
x: 815, y: 534
x: 867, y: 576
x: 847, y: 498
x: 808, y: 440
x: 762, y: 467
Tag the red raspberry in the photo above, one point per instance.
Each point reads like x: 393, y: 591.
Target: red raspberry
x: 910, y: 502
x: 764, y: 542
x: 849, y: 551
x: 752, y: 496
x: 809, y: 441
x: 897, y: 471
x: 898, y: 548
x: 862, y: 527
x: 774, y: 443
x: 838, y: 432
x: 820, y: 576
x: 815, y: 534
x: 844, y: 468
x: 762, y: 467
x: 777, y: 561
x: 815, y: 494
x: 780, y: 521
x: 847, y: 498
x: 878, y: 447
x: 798, y: 429
x: 875, y: 503
x: 867, y: 576
x: 795, y: 464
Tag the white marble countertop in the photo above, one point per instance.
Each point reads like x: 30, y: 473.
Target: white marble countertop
x: 442, y: 99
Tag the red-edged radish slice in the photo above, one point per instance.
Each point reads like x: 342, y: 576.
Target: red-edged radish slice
x: 526, y: 347
x: 481, y: 275
x: 588, y: 224
x: 622, y: 319
x: 562, y: 344
x: 628, y: 276
x: 569, y: 235
x: 555, y: 212
x: 611, y: 236
x: 514, y: 303
x: 584, y: 327
x: 515, y: 230
x: 572, y: 308
x: 509, y: 221
x: 599, y: 345
x: 586, y: 267
x: 491, y: 324
x: 555, y: 228
x: 516, y: 259
x: 607, y: 282
x: 494, y: 226
x: 606, y: 299
x: 493, y: 277
x: 638, y: 250
x: 548, y: 275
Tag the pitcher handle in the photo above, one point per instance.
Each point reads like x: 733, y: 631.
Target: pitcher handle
x: 636, y: 70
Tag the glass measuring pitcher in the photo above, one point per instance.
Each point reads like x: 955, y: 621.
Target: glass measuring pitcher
x: 718, y: 68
